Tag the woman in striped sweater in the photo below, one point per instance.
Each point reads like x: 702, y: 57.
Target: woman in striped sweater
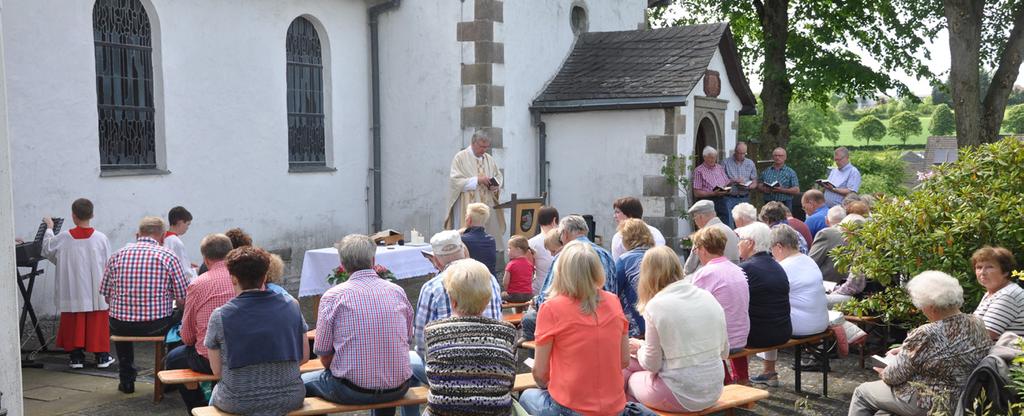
x: 470, y: 359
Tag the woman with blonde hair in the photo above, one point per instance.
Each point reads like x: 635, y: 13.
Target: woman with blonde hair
x: 578, y: 328
x: 637, y: 239
x: 274, y: 275
x: 685, y: 340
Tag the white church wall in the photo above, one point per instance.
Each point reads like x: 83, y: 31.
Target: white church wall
x: 422, y: 94
x: 420, y: 101
x: 222, y: 72
x: 538, y: 39
x: 599, y: 156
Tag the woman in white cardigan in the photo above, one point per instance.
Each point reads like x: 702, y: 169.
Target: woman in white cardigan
x: 685, y: 340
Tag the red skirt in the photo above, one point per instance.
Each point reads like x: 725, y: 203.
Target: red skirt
x: 88, y: 330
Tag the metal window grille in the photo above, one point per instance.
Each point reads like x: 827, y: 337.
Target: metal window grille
x: 124, y: 85
x: 305, y: 96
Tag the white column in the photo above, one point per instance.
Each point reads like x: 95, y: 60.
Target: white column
x: 10, y: 339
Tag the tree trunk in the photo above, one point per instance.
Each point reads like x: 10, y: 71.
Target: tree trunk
x: 1002, y: 80
x: 776, y: 91
x: 963, y: 18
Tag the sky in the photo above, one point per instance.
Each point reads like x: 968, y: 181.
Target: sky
x: 938, y: 63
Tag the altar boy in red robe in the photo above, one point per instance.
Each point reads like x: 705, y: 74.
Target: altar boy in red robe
x: 80, y: 255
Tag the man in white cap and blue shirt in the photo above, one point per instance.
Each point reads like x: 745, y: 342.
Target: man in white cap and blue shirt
x: 433, y: 303
x: 703, y: 214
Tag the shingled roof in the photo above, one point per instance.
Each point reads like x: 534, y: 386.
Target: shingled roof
x: 642, y: 69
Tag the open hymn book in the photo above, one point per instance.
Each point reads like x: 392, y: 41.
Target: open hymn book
x: 741, y: 186
x: 880, y: 361
x: 825, y: 183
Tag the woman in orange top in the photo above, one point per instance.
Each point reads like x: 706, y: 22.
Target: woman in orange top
x: 581, y: 343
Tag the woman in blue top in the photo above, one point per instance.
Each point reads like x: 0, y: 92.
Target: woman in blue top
x: 637, y: 239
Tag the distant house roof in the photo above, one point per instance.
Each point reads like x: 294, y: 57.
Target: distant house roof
x: 940, y: 149
x: 642, y: 69
x: 911, y: 157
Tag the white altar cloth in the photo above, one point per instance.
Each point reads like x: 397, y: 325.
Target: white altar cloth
x: 404, y: 261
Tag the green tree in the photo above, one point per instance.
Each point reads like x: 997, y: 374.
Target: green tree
x: 799, y: 48
x: 809, y: 160
x: 967, y: 204
x: 1014, y: 122
x: 819, y: 122
x: 942, y: 121
x: 847, y: 110
x: 982, y: 34
x: 869, y: 128
x: 904, y: 125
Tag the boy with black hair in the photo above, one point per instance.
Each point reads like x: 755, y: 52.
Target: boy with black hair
x: 80, y: 254
x: 178, y: 220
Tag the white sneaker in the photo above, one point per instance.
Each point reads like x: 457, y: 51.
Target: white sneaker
x: 76, y: 364
x: 105, y: 361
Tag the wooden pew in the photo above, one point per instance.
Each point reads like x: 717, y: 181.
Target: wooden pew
x: 159, y: 350
x: 796, y: 344
x: 518, y: 307
x: 318, y: 406
x: 733, y: 396
x: 191, y: 379
x: 513, y: 318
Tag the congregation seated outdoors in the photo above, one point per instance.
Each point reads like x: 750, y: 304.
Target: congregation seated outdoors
x: 637, y: 330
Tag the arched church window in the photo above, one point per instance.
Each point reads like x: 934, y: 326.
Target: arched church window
x: 578, y: 19
x: 124, y: 85
x: 306, y: 146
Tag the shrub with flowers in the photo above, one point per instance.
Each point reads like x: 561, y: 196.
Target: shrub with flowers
x: 339, y: 275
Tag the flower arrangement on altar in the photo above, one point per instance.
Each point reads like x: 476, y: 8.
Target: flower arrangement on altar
x: 339, y: 275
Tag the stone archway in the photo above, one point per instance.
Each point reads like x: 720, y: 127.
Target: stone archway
x: 708, y: 133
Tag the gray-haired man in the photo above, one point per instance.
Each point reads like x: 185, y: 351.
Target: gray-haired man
x: 703, y: 214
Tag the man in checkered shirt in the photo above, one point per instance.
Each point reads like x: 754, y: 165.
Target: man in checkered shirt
x: 141, y: 283
x: 363, y: 329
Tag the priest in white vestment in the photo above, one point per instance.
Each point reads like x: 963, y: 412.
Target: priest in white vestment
x: 475, y: 177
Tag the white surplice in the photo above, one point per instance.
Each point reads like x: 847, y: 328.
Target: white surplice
x: 174, y: 243
x: 79, y: 271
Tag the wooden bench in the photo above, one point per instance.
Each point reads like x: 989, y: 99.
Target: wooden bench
x: 513, y: 318
x: 733, y: 396
x: 191, y: 379
x: 796, y: 344
x: 318, y: 406
x: 160, y: 349
x: 518, y: 307
x: 866, y: 323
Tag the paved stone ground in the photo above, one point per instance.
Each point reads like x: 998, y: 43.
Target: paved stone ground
x: 57, y: 390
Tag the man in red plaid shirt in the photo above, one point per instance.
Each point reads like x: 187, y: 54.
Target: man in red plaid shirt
x: 207, y: 292
x: 141, y: 282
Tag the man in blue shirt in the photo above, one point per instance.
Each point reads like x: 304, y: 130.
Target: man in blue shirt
x: 843, y: 179
x: 813, y: 203
x: 573, y: 227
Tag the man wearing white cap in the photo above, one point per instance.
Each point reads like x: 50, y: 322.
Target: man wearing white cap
x: 703, y: 214
x: 433, y: 304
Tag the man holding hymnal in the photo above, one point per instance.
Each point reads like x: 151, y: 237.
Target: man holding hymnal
x: 842, y: 179
x: 742, y: 177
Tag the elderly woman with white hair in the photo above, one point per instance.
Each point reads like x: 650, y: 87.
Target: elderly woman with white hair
x: 769, y: 291
x: 928, y: 372
x: 744, y: 214
x: 808, y: 310
x: 707, y: 177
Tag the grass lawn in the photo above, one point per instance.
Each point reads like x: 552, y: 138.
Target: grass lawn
x: 846, y: 135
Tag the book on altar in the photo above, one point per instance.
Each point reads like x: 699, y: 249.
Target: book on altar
x: 825, y: 183
x: 882, y: 362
